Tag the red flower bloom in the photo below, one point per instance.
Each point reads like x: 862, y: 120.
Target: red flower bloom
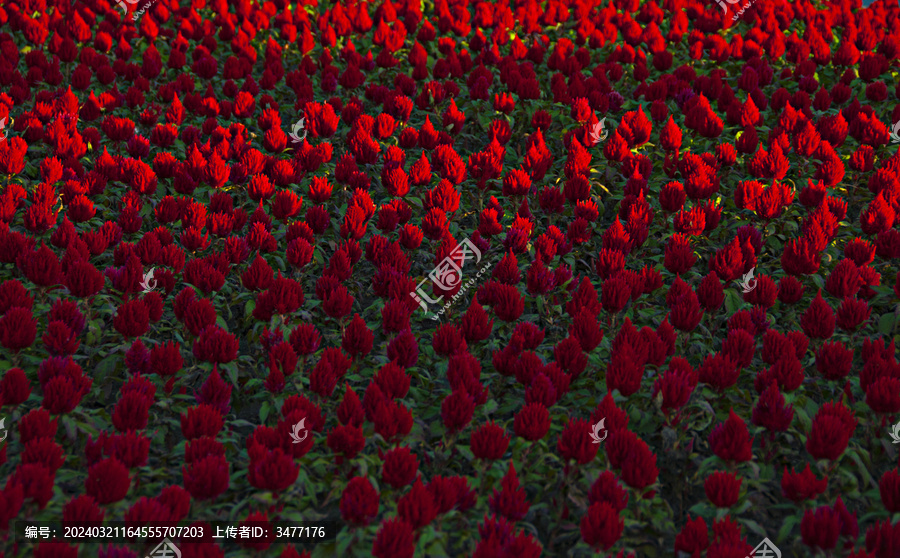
x: 394, y: 540
x: 201, y: 420
x: 575, y: 443
x: 818, y: 321
x: 14, y: 387
x: 270, y: 469
x: 723, y: 489
x: 400, y: 467
x: 798, y: 487
x: 821, y: 528
x: 417, y: 506
x: 107, y: 481
x: 489, y: 442
x: 602, y: 526
x: 207, y: 477
x: 731, y: 440
x: 532, y: 422
x: 132, y: 318
x: 509, y: 501
x: 132, y: 411
x: 216, y: 345
x: 831, y: 430
x: 457, y: 410
x: 359, y: 501
x: 18, y: 328
x: 404, y: 349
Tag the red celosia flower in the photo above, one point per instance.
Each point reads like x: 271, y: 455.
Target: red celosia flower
x: 18, y: 329
x: 798, y: 487
x: 831, y: 430
x: 722, y: 489
x: 489, y: 441
x: 107, y: 481
x: 216, y: 345
x: 359, y: 501
x: 731, y: 440
x: 400, y: 467
x: 394, y: 540
x: 574, y: 443
x: 457, y: 410
x: 201, y: 420
x: 207, y: 477
x: 509, y: 501
x: 818, y: 321
x: 417, y: 506
x: 14, y: 387
x: 532, y: 422
x: 602, y: 526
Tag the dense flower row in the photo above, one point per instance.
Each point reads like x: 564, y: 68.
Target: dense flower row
x: 283, y: 269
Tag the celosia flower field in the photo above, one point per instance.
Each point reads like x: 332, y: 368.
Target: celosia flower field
x: 216, y: 220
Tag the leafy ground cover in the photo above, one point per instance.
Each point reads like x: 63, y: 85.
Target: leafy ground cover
x: 686, y: 227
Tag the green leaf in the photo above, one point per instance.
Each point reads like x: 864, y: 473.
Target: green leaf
x: 733, y: 301
x: 264, y: 412
x: 886, y: 323
x: 788, y: 526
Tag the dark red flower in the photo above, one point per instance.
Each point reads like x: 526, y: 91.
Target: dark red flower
x: 457, y: 410
x: 201, y: 420
x: 216, y: 345
x: 417, y: 506
x: 404, y: 349
x: 107, y: 481
x: 489, y: 441
x: 722, y: 489
x: 18, y: 328
x: 357, y: 338
x: 132, y: 411
x: 575, y: 442
x: 830, y: 432
x: 270, y: 469
x: 394, y: 540
x: 833, y: 360
x: 602, y: 526
x: 359, y: 501
x: 400, y: 467
x: 818, y: 321
x: 532, y: 422
x: 731, y: 440
x: 509, y: 501
x: 798, y: 487
x: 207, y: 477
x: 693, y: 537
